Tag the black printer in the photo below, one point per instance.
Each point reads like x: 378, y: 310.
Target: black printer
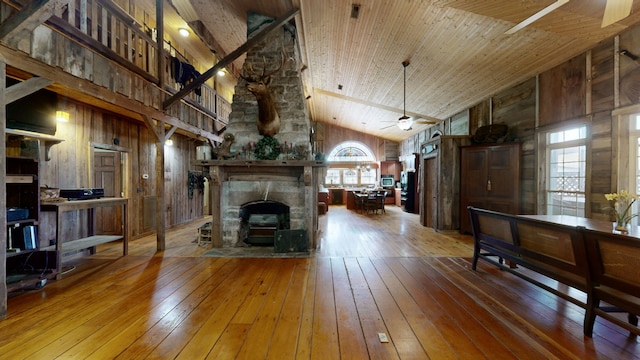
x: 81, y: 194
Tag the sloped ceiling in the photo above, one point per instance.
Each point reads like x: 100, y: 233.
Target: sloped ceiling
x: 458, y: 51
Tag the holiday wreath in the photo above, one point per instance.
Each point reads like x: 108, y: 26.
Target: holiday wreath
x: 267, y: 148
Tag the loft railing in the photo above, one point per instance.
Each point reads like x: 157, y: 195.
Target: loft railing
x: 104, y: 27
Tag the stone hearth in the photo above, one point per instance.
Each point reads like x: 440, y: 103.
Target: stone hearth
x: 235, y: 183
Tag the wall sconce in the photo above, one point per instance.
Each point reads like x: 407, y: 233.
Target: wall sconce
x: 221, y: 72
x: 184, y: 32
x: 169, y: 142
x: 62, y: 116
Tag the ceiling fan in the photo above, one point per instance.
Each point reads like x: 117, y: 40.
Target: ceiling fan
x: 405, y: 122
x: 614, y: 11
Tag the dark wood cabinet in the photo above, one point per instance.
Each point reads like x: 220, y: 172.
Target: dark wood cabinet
x: 489, y: 179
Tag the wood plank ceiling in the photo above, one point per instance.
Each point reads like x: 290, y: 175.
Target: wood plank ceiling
x: 458, y: 51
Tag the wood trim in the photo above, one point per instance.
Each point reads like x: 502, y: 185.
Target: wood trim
x: 24, y: 88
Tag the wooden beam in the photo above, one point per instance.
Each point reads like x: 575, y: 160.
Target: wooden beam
x: 156, y: 129
x: 169, y: 133
x: 231, y: 57
x: 372, y: 104
x: 32, y: 15
x: 3, y: 197
x: 24, y: 88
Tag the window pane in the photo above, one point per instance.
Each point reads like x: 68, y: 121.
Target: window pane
x: 568, y: 135
x: 368, y: 177
x: 333, y: 177
x: 566, y: 169
x: 350, y: 177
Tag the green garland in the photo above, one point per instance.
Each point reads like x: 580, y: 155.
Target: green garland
x: 267, y: 148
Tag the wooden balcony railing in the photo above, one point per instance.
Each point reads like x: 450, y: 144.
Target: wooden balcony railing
x: 106, y: 28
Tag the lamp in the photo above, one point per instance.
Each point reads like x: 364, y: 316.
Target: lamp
x: 184, y: 32
x: 62, y: 116
x: 405, y: 122
x: 169, y: 142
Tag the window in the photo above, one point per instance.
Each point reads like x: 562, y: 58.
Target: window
x: 351, y: 164
x: 634, y: 161
x: 350, y: 177
x: 333, y: 177
x: 566, y: 169
x: 368, y: 177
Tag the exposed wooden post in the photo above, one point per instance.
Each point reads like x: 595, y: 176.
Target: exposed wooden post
x: 160, y: 41
x: 3, y: 197
x: 160, y: 203
x: 158, y: 131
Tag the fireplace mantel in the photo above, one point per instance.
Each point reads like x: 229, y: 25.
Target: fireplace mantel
x: 265, y: 163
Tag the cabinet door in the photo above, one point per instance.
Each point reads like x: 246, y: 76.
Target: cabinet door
x: 490, y: 179
x: 503, y: 173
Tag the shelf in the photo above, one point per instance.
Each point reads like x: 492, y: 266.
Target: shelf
x: 88, y: 242
x: 21, y: 252
x: 23, y: 221
x: 48, y: 140
x: 20, y: 179
x: 85, y: 243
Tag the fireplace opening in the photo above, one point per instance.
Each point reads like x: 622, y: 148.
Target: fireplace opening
x: 260, y: 220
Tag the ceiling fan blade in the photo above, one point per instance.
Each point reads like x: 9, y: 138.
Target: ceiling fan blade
x: 536, y: 16
x: 387, y: 127
x: 424, y: 122
x: 616, y: 10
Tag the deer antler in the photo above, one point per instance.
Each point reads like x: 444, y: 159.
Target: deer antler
x: 253, y: 76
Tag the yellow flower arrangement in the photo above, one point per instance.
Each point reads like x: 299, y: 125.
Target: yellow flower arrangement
x: 622, y: 203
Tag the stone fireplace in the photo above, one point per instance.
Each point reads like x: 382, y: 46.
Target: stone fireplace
x: 241, y: 184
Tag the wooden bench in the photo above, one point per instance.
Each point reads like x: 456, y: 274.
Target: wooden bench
x: 603, y: 265
x: 614, y: 262
x: 553, y: 250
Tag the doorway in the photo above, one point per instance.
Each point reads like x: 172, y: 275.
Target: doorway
x: 106, y: 174
x: 429, y: 216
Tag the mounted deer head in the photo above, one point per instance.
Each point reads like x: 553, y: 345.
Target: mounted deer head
x: 258, y: 85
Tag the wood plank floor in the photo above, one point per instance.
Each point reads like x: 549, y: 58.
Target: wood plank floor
x: 371, y: 274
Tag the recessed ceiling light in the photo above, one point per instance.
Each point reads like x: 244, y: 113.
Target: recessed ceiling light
x: 355, y: 11
x: 184, y: 32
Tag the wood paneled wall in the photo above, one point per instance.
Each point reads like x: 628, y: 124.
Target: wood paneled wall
x: 70, y: 165
x: 330, y: 136
x: 586, y: 88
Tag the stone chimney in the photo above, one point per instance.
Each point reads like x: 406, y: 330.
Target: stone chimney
x: 286, y: 88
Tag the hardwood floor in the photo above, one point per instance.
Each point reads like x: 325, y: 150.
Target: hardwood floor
x: 371, y: 274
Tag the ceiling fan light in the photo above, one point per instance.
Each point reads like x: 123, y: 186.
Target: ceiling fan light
x: 405, y: 123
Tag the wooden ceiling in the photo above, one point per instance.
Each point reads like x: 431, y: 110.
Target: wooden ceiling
x: 458, y: 51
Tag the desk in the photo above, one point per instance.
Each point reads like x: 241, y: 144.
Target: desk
x: 92, y: 239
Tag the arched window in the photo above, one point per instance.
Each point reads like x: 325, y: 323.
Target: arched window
x: 351, y: 151
x: 353, y: 164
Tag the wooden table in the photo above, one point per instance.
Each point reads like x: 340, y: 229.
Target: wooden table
x: 591, y: 224
x: 92, y: 239
x: 360, y: 198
